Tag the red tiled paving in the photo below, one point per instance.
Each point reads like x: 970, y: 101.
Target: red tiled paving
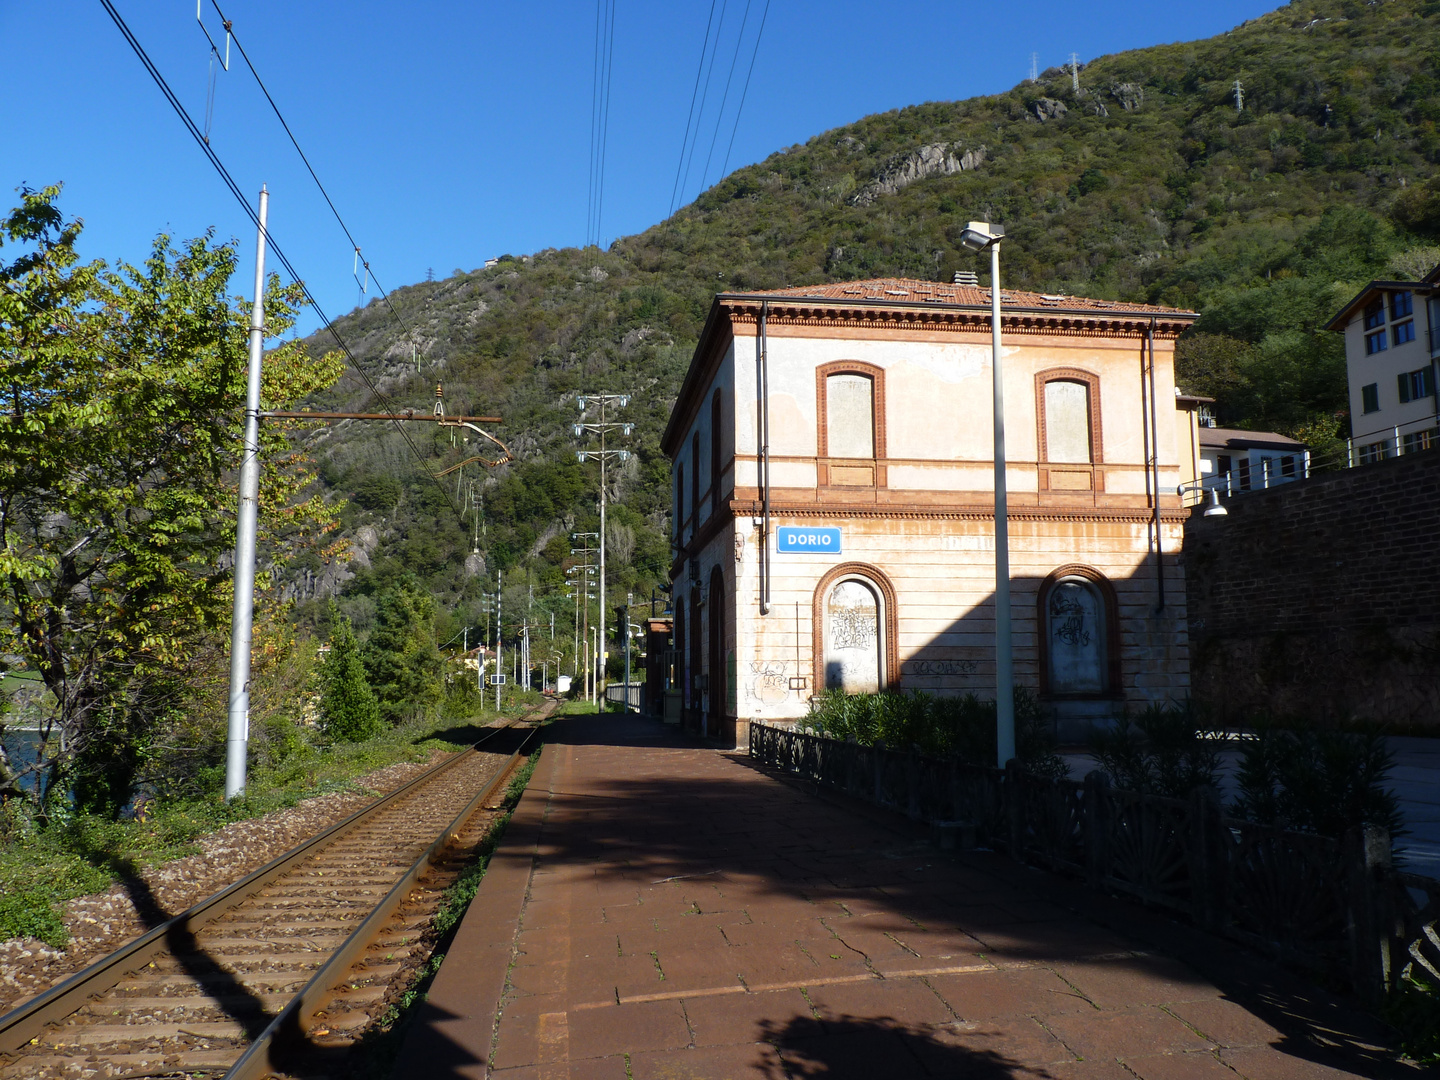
x: 659, y: 909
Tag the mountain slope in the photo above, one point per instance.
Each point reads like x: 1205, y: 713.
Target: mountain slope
x: 1147, y: 185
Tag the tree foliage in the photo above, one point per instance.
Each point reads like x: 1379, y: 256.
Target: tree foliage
x: 402, y: 663
x: 123, y: 397
x: 349, y: 711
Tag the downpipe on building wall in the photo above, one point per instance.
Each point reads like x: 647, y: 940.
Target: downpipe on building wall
x: 1154, y: 452
x: 763, y: 386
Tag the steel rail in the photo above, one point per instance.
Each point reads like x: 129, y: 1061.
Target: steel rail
x: 26, y: 1022
x: 263, y: 1057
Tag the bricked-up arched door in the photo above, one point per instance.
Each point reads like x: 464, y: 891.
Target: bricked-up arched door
x: 1076, y: 639
x: 715, y: 703
x: 854, y: 623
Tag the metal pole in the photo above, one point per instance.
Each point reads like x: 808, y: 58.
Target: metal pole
x: 1004, y: 659
x: 628, y: 597
x: 242, y: 622
x: 601, y: 641
x: 499, y: 671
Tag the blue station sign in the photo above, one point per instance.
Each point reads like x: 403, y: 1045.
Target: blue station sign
x: 795, y: 539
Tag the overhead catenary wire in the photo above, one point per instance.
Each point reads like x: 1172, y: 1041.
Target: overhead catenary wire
x: 605, y: 129
x: 601, y: 80
x: 694, y: 93
x: 704, y: 95
x: 250, y: 212
x: 230, y: 30
x: 741, y: 107
x: 725, y: 97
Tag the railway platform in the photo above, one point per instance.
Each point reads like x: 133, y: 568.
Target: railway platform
x: 659, y: 909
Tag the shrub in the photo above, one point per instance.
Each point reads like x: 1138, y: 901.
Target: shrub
x: 959, y: 727
x: 1162, y: 751
x: 1316, y: 781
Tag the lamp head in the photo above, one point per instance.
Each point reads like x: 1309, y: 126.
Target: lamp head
x: 980, y: 235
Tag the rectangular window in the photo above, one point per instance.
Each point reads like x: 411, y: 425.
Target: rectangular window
x: 1287, y: 465
x: 1374, y: 315
x: 1373, y: 452
x: 1375, y: 343
x: 1244, y: 482
x: 1401, y: 305
x: 850, y: 416
x: 1402, y: 332
x: 1415, y: 385
x: 1420, y: 440
x: 1067, y: 421
x: 1370, y: 397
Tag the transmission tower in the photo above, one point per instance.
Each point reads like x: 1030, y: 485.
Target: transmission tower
x: 1075, y: 73
x: 1034, y: 67
x: 1239, y: 96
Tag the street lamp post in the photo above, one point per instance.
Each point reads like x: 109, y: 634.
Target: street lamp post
x: 982, y: 236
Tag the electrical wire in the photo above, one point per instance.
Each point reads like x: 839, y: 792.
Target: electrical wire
x: 699, y: 70
x: 230, y: 183
x: 720, y: 116
x: 741, y: 107
x: 605, y: 128
x: 709, y: 74
x: 594, y: 124
x: 229, y: 29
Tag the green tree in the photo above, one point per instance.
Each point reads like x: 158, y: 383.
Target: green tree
x: 348, y: 708
x: 401, y: 661
x: 123, y: 406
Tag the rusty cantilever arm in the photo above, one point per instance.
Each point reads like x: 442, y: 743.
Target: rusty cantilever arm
x: 413, y: 414
x: 505, y: 455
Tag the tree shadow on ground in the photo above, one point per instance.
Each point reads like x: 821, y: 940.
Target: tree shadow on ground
x: 866, y: 1047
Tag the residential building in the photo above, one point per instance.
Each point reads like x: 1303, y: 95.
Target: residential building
x: 833, y: 499
x: 1392, y: 347
x: 1236, y: 460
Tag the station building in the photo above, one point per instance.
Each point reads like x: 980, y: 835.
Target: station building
x: 833, y: 515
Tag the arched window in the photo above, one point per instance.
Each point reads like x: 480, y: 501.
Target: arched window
x: 680, y: 502
x: 715, y: 430
x: 850, y: 405
x: 1068, y: 411
x: 1079, y: 642
x: 854, y: 630
x: 717, y: 677
x: 695, y: 477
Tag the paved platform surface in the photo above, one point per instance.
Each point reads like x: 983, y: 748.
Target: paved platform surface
x: 663, y: 910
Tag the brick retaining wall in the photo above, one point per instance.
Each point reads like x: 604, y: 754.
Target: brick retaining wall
x: 1322, y: 598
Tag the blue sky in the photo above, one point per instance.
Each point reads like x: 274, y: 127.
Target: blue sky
x: 449, y: 133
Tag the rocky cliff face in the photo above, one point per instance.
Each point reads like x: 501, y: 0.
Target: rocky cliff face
x: 935, y: 159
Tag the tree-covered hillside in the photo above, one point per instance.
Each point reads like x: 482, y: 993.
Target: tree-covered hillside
x: 1148, y: 184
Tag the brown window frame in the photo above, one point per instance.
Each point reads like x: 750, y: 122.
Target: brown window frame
x: 876, y: 375
x: 1092, y: 384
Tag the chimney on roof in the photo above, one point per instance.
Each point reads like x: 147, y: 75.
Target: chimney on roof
x: 966, y: 277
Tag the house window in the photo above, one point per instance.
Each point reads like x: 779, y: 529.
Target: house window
x: 1373, y: 452
x: 1401, y: 305
x: 1374, y: 315
x: 695, y: 477
x: 1420, y: 440
x: 1415, y: 385
x: 1287, y: 465
x: 1067, y: 421
x: 1403, y: 332
x: 850, y: 403
x: 1370, y: 397
x: 679, y: 501
x: 1375, y: 343
x: 715, y: 412
x: 850, y: 415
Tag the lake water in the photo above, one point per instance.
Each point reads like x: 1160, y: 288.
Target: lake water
x: 21, y: 747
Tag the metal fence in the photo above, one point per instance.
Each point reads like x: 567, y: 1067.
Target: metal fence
x: 620, y: 692
x: 1335, y: 908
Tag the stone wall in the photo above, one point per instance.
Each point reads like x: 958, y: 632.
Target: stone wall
x: 1321, y: 599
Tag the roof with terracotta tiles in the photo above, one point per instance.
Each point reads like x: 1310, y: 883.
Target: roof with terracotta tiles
x: 914, y: 291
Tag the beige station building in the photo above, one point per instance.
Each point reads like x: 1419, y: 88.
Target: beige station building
x: 833, y: 491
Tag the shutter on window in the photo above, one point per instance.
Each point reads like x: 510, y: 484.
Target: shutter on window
x: 1404, y: 387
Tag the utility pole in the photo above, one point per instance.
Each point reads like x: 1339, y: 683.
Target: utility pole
x: 1075, y: 73
x: 602, y: 428
x: 584, y: 569
x: 1034, y: 67
x: 629, y: 597
x: 1239, y: 96
x: 499, y: 671
x: 242, y: 622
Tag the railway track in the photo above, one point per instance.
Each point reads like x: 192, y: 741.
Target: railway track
x: 294, y: 957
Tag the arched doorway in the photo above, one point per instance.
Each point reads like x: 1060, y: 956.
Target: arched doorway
x: 1077, y: 621
x: 692, y: 673
x: 715, y: 696
x: 854, y: 620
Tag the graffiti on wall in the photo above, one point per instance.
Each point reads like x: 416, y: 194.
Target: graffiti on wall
x: 767, y: 683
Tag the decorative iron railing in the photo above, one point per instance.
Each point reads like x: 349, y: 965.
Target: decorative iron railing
x: 1332, y: 907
